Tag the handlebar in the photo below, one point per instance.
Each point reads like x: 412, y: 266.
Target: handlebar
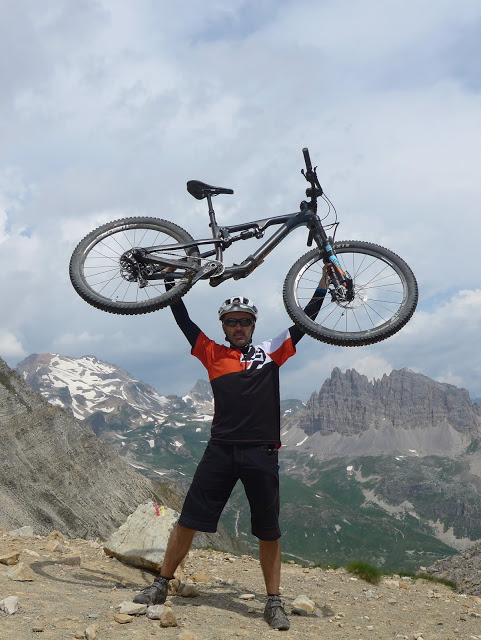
x: 307, y: 159
x: 311, y: 176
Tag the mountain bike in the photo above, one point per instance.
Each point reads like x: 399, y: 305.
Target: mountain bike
x: 122, y: 267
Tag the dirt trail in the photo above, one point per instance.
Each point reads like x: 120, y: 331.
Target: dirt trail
x: 64, y: 599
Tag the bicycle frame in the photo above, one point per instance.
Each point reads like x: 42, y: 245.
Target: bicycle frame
x: 217, y: 273
x: 222, y: 240
x: 111, y: 268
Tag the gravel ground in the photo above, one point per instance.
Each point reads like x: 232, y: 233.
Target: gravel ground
x: 76, y: 587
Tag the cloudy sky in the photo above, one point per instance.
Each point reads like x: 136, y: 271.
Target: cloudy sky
x: 109, y: 106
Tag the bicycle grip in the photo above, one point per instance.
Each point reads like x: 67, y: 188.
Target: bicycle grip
x: 307, y: 159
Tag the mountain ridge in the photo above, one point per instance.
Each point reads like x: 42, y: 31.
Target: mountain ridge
x: 84, y: 386
x: 401, y: 412
x: 389, y: 468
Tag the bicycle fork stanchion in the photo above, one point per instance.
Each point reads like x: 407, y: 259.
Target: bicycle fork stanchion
x: 341, y: 281
x: 343, y: 288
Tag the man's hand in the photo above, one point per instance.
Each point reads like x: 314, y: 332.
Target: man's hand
x: 324, y: 281
x: 168, y: 279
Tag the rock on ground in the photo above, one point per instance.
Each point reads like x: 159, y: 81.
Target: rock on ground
x: 142, y: 539
x: 464, y: 569
x: 64, y: 600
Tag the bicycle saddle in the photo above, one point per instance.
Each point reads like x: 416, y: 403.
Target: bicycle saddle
x: 200, y: 189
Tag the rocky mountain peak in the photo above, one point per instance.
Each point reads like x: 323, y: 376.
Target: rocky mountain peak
x: 408, y: 444
x: 349, y: 403
x: 201, y: 398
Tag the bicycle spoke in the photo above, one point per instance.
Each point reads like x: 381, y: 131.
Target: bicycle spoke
x: 104, y: 273
x: 355, y: 318
x: 378, y: 292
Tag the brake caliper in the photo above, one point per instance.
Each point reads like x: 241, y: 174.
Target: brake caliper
x: 130, y: 269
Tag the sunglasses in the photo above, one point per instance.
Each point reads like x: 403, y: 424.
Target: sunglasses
x: 232, y: 322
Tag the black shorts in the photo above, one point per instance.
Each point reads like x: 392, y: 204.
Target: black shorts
x: 222, y: 465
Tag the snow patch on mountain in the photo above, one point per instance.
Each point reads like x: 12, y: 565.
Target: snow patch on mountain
x: 85, y: 386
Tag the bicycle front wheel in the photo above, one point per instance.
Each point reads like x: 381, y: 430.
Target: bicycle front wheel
x: 102, y: 275
x: 385, y: 295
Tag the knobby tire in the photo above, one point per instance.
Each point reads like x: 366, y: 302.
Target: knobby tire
x: 386, y: 295
x: 97, y: 275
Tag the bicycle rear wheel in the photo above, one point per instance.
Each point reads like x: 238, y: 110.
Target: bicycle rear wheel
x: 103, y: 277
x: 385, y: 295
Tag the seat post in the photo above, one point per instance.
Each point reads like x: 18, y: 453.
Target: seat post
x: 214, y: 227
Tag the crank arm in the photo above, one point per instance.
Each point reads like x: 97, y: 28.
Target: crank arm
x: 205, y: 271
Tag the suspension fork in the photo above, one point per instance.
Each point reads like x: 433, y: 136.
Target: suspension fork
x: 340, y: 279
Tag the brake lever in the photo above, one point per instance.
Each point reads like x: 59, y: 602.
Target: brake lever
x: 311, y: 176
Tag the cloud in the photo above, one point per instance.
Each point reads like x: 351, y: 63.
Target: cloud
x: 112, y: 108
x: 13, y: 192
x: 84, y: 339
x: 441, y: 343
x: 10, y: 345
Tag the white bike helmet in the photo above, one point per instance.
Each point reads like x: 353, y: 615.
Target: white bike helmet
x: 238, y: 303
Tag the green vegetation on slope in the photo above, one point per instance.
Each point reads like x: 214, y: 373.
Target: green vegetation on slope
x: 327, y: 516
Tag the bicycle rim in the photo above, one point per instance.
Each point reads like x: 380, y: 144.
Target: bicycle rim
x: 385, y: 295
x: 104, y: 278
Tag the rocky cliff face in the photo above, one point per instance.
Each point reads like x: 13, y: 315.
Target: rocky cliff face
x: 127, y: 413
x: 463, y: 569
x: 363, y: 460
x: 200, y: 398
x: 350, y: 404
x: 403, y: 412
x: 405, y: 444
x: 56, y: 474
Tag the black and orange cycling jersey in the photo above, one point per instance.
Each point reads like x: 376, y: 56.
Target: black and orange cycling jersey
x: 245, y: 381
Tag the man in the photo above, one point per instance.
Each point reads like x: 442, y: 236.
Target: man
x: 244, y: 443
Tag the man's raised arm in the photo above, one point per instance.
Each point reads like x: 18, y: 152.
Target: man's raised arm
x: 313, y: 306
